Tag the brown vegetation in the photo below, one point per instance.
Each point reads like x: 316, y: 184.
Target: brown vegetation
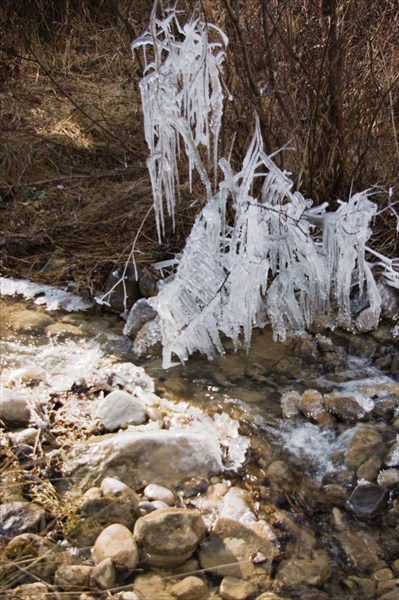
x: 74, y: 191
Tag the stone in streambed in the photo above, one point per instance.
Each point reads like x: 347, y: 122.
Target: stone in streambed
x: 312, y: 406
x: 21, y: 517
x: 103, y: 575
x: 368, y: 500
x: 233, y: 588
x: 71, y: 578
x: 116, y: 542
x: 345, y: 408
x: 168, y: 537
x: 141, y: 313
x: 361, y: 551
x: 303, y: 571
x: 15, y: 408
x: 158, y: 492
x: 365, y: 442
x: 120, y: 408
x: 42, y: 555
x: 190, y: 588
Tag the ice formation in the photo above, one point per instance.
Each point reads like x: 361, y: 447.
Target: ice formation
x: 276, y: 259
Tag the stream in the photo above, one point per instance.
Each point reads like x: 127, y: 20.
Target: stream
x: 292, y: 457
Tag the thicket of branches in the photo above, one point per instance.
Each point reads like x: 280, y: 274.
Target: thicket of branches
x: 323, y: 76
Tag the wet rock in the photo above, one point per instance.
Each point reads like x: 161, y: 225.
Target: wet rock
x: 158, y: 492
x: 190, y: 588
x: 389, y: 299
x: 232, y: 588
x: 385, y: 407
x: 15, y: 408
x: 345, y: 408
x: 369, y: 469
x: 147, y: 342
x: 389, y: 478
x: 116, y: 542
x: 392, y: 458
x: 192, y: 487
x: 99, y: 510
x: 120, y: 408
x: 365, y: 442
x: 21, y: 517
x: 122, y: 288
x: 362, y: 587
x: 29, y: 591
x: 40, y: 557
x: 103, y: 575
x: 229, y: 549
x: 160, y: 456
x: 169, y: 536
x: 140, y: 313
x: 299, y: 571
x: 307, y: 349
x: 235, y: 505
x: 149, y: 280
x: 368, y: 500
x: 71, y: 578
x: 30, y: 321
x: 290, y: 403
x: 312, y: 406
x: 361, y: 550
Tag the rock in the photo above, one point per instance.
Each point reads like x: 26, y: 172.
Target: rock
x: 152, y: 587
x: 39, y: 556
x: 116, y: 542
x: 114, y: 488
x: 290, y: 403
x: 235, y: 506
x: 368, y: 500
x: 300, y: 571
x: 169, y: 536
x: 140, y: 313
x: 312, y: 406
x: 361, y: 587
x: 389, y: 299
x: 345, y: 408
x: 98, y: 510
x: 369, y: 469
x: 126, y: 596
x: 147, y: 506
x: 192, y: 487
x: 147, y: 342
x: 21, y: 517
x: 148, y: 283
x: 234, y: 545
x: 270, y: 596
x: 232, y: 588
x: 389, y: 478
x: 103, y: 575
x: 71, y: 578
x: 160, y: 456
x: 29, y: 591
x: 190, y: 588
x: 158, y: 492
x: 120, y: 408
x: 15, y: 408
x: 30, y: 321
x: 121, y: 288
x: 365, y: 442
x: 361, y: 550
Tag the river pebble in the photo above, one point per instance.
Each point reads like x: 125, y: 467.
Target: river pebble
x: 120, y: 408
x: 190, y: 588
x: 365, y: 442
x: 232, y: 588
x: 152, y: 491
x: 368, y: 500
x: 15, y: 408
x: 116, y: 542
x: 103, y: 575
x: 70, y: 578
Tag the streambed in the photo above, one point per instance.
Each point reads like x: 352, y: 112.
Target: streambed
x: 297, y: 463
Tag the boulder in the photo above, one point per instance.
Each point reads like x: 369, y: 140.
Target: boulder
x: 120, y: 408
x: 116, y: 542
x: 168, y: 537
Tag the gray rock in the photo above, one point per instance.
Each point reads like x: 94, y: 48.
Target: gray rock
x: 190, y: 588
x: 15, y: 408
x: 149, y: 279
x: 116, y: 542
x: 368, y: 500
x: 103, y: 575
x: 158, y: 492
x: 365, y: 442
x: 120, y: 408
x: 232, y: 588
x: 169, y: 536
x: 140, y: 313
x: 40, y: 556
x: 160, y: 456
x: 114, y: 488
x: 71, y: 578
x: 147, y: 342
x: 303, y: 571
x: 21, y: 517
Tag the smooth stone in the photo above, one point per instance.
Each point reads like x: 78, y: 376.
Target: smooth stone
x: 71, y: 578
x: 312, y: 406
x: 140, y: 313
x: 233, y: 588
x: 158, y: 492
x: 300, y: 571
x: 15, y: 410
x: 115, y: 488
x: 388, y: 478
x: 383, y: 574
x: 368, y: 500
x: 369, y: 469
x: 361, y: 551
x: 365, y: 442
x: 290, y: 403
x: 169, y: 536
x: 192, y: 487
x: 162, y: 456
x: 120, y: 408
x: 147, y: 506
x: 42, y: 556
x: 29, y: 591
x: 116, y: 542
x: 345, y: 408
x: 190, y: 588
x: 103, y: 575
x: 21, y: 517
x: 30, y: 321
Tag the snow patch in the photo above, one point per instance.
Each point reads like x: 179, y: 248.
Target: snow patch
x: 53, y: 298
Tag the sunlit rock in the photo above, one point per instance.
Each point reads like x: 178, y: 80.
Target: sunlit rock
x: 120, y: 408
x: 116, y: 542
x: 140, y: 313
x: 365, y: 442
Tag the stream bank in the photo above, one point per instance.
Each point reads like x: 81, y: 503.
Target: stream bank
x: 272, y: 475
